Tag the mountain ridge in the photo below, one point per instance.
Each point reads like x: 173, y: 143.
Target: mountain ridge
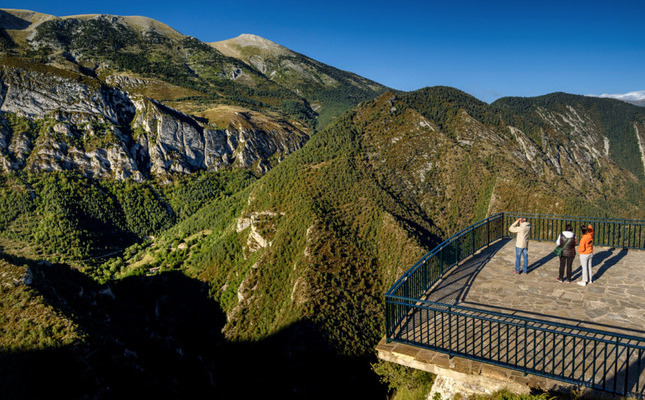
x: 35, y: 18
x: 317, y: 82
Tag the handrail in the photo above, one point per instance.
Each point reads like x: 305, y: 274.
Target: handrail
x: 440, y: 247
x: 404, y: 303
x: 524, y: 319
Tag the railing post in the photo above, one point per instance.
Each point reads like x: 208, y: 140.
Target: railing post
x: 472, y: 242
x: 424, y: 276
x: 387, y: 320
x: 449, y: 332
x: 525, y: 346
x: 457, y: 251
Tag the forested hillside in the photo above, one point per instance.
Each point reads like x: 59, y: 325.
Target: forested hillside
x: 621, y: 124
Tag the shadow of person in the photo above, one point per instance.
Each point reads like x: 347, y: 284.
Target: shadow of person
x: 542, y: 261
x: 606, y: 259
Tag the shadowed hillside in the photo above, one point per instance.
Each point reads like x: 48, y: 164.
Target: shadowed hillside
x: 160, y: 337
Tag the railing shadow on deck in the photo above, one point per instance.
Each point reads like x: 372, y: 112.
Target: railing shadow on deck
x: 450, y: 291
x: 568, y: 321
x: 627, y: 375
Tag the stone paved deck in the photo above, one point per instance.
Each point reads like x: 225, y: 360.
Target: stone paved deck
x: 614, y: 302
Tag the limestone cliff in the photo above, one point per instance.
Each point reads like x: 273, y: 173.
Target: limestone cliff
x: 56, y: 120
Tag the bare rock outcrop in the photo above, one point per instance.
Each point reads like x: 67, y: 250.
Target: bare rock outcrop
x: 51, y: 122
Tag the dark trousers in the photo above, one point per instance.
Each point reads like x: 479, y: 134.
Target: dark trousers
x: 569, y: 262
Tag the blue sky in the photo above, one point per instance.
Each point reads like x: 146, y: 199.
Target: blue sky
x: 489, y: 49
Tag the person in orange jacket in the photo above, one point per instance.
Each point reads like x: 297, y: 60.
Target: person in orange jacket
x: 585, y: 248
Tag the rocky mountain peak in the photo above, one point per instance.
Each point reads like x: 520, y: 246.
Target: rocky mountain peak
x: 240, y: 46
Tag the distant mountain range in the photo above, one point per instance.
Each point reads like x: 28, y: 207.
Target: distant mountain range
x: 172, y: 210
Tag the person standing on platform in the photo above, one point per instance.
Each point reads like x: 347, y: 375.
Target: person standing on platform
x: 521, y: 227
x: 567, y: 240
x: 585, y: 248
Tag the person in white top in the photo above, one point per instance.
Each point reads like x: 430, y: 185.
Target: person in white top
x: 521, y: 227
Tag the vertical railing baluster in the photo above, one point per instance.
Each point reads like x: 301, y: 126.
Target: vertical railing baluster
x: 604, y: 375
x: 490, y: 340
x: 626, y: 371
x: 481, y: 335
x: 584, y: 358
x: 543, y: 350
x: 424, y: 276
x: 595, y: 357
x: 616, y: 365
x: 472, y: 242
x: 534, y: 348
x: 414, y: 326
x: 457, y: 316
x: 526, y: 345
x: 449, y: 332
x: 553, y: 356
x: 624, y: 232
x: 517, y: 344
x: 639, y: 370
x: 573, y: 357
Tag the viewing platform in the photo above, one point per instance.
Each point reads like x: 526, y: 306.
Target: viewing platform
x: 479, y: 327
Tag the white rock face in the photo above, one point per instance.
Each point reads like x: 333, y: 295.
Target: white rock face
x: 255, y: 240
x: 640, y: 135
x: 35, y: 95
x: 106, y: 133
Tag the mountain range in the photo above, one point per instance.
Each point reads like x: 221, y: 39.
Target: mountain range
x: 171, y: 209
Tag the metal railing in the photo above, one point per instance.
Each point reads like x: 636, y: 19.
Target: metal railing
x: 623, y: 233
x: 598, y: 359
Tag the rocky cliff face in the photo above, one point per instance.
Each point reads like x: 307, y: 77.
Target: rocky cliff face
x: 54, y: 120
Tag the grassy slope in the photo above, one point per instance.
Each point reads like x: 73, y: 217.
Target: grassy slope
x: 330, y: 90
x: 337, y: 241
